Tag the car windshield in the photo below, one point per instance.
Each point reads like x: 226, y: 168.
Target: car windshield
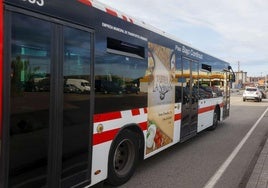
x: 251, y: 89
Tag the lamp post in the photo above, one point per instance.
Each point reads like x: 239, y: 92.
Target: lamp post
x: 265, y: 82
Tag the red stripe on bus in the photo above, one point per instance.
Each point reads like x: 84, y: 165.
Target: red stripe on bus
x: 106, y: 136
x: 107, y: 116
x: 131, y: 20
x: 145, y: 110
x: 109, y: 11
x: 177, y: 117
x: 143, y: 126
x: 206, y: 109
x: 86, y: 2
x: 1, y: 62
x: 135, y: 112
x: 124, y: 17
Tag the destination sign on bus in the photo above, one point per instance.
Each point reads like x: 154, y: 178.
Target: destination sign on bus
x: 189, y: 52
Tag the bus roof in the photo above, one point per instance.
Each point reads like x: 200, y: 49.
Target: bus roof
x: 117, y: 13
x: 54, y: 8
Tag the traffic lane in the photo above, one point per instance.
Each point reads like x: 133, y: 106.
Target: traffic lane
x: 239, y: 171
x: 191, y: 164
x: 237, y: 100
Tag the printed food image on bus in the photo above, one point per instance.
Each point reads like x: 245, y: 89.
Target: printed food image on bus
x: 160, y: 127
x: 151, y: 66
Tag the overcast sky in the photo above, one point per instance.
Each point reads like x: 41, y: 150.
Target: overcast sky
x: 232, y: 30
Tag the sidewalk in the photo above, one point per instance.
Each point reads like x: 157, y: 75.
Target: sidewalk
x: 259, y: 176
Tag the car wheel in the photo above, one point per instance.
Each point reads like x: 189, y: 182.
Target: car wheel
x: 123, y: 158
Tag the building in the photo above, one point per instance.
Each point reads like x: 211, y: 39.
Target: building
x: 241, y: 79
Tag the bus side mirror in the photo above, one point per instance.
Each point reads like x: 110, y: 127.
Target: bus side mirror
x: 231, y: 76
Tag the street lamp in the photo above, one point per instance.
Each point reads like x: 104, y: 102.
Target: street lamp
x: 265, y: 82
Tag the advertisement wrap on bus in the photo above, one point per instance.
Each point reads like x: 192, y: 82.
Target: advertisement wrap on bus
x: 86, y: 95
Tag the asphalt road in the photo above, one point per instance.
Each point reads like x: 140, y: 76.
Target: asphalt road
x: 193, y: 163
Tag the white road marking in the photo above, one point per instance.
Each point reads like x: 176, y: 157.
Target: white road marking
x: 215, y: 178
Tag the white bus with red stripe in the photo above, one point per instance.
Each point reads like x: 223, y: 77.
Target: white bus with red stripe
x: 148, y: 91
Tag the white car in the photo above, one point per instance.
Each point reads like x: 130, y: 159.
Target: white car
x: 80, y: 84
x: 252, y: 93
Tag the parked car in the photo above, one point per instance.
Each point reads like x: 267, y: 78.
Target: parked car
x: 70, y: 88
x: 81, y: 84
x: 131, y: 88
x: 252, y: 93
x: 106, y: 86
x: 206, y: 92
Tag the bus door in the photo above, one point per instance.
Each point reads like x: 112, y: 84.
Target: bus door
x: 47, y: 117
x: 77, y: 108
x: 189, y: 98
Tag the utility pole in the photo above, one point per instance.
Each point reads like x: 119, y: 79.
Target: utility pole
x: 265, y: 82
x: 239, y: 82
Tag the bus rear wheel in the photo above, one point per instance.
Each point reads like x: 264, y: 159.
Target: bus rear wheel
x: 123, y: 158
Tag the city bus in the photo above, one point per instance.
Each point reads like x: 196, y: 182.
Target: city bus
x: 146, y: 91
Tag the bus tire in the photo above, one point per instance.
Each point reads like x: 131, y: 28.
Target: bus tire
x: 123, y: 158
x: 215, y: 121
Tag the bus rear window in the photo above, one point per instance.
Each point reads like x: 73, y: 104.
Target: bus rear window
x: 124, y: 48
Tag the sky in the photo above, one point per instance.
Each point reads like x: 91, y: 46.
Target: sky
x: 232, y: 30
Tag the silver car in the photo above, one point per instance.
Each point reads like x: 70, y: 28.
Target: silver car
x: 252, y: 93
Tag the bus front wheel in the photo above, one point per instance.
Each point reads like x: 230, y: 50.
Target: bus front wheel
x: 215, y: 121
x: 123, y: 158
